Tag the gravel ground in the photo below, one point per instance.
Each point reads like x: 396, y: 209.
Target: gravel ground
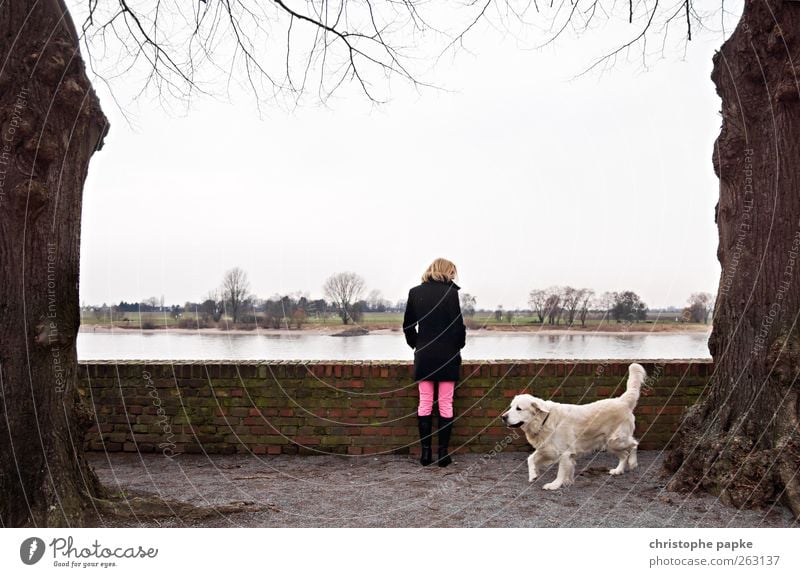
x: 395, y: 491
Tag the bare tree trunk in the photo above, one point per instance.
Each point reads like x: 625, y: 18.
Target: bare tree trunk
x: 741, y: 441
x: 50, y: 125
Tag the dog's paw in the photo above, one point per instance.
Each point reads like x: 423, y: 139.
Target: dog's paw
x: 616, y: 471
x: 531, y: 477
x: 552, y: 486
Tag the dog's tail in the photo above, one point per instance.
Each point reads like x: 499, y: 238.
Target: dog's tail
x: 636, y: 377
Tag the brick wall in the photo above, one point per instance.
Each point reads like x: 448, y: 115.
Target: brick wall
x: 349, y: 407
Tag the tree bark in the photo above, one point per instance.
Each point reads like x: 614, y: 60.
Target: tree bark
x: 50, y: 125
x: 741, y: 441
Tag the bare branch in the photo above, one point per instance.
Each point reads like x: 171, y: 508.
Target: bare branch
x: 183, y: 49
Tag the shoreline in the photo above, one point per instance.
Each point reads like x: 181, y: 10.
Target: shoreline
x: 652, y: 329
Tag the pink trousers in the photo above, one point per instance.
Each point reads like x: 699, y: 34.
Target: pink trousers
x: 446, y: 389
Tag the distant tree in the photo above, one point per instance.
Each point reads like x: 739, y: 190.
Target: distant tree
x: 272, y: 318
x: 553, y: 308
x: 585, y: 304
x: 127, y: 307
x: 302, y: 303
x: 279, y: 310
x: 468, y: 305
x: 537, y: 300
x: 376, y: 302
x: 100, y: 312
x: 510, y: 316
x: 235, y: 292
x: 498, y: 313
x: 344, y: 289
x: 317, y: 308
x: 628, y: 307
x: 298, y: 318
x: 117, y: 313
x: 606, y: 302
x: 212, y: 306
x: 151, y: 303
x: 700, y: 307
x: 357, y: 310
x: 299, y: 297
x: 571, y: 299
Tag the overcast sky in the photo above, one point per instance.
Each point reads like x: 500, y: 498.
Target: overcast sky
x: 521, y: 174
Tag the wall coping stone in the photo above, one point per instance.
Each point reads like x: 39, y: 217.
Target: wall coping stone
x: 379, y: 362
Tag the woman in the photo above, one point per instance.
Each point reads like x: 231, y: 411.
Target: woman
x: 434, y: 306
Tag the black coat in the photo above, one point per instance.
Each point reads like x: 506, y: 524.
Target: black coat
x: 435, y: 307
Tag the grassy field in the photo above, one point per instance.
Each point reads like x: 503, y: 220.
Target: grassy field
x: 123, y: 319
x: 388, y: 320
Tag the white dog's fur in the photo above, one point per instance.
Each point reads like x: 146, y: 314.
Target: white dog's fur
x: 561, y: 432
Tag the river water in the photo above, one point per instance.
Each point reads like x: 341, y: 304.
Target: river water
x: 126, y: 345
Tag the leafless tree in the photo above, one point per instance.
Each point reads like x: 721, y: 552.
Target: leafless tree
x: 152, y: 302
x: 606, y: 302
x: 235, y: 292
x: 376, y: 302
x: 289, y: 50
x: 700, y: 306
x: 537, y: 300
x: 344, y: 290
x: 212, y: 306
x: 374, y: 299
x: 284, y: 50
x: 468, y: 303
x: 585, y: 304
x: 571, y: 299
x: 553, y: 305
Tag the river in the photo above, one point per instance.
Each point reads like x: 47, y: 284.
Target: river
x: 126, y: 345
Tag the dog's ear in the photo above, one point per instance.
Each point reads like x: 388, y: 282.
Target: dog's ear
x: 538, y: 405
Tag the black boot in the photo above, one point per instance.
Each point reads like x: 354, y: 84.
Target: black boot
x: 425, y: 423
x: 445, y: 427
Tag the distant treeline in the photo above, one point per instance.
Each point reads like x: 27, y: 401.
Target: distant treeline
x: 233, y: 302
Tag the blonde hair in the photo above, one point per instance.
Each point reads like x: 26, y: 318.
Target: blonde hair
x: 440, y: 269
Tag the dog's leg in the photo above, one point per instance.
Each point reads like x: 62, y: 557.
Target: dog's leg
x: 633, y: 462
x: 566, y: 473
x: 532, y: 474
x: 623, y: 458
x: 538, y: 461
x: 623, y: 448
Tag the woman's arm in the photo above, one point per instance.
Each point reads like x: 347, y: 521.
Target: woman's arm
x: 410, y: 323
x: 458, y: 323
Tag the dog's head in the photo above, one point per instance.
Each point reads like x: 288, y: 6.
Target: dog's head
x: 523, y: 410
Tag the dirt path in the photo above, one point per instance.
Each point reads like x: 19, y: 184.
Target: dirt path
x: 394, y: 491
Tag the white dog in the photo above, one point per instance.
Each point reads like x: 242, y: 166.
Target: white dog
x: 560, y: 432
